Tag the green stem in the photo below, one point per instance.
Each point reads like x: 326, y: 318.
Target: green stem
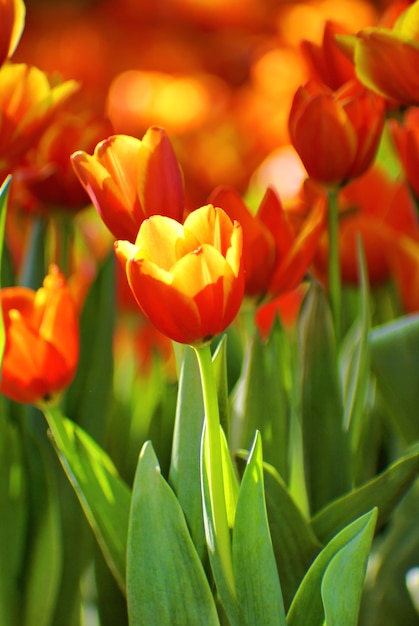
x: 218, y: 512
x: 335, y: 287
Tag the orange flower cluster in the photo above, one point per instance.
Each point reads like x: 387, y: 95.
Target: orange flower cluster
x: 185, y: 134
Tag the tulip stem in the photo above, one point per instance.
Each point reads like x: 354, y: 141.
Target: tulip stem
x: 335, y: 287
x: 221, y: 542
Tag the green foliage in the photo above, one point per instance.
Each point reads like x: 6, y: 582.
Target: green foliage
x: 166, y: 583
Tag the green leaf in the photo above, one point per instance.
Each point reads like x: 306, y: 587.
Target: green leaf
x: 343, y: 581
x: 294, y: 542
x: 258, y: 589
x: 105, y: 498
x: 383, y: 491
x: 219, y: 360
x: 394, y: 349
x: 325, y: 443
x: 13, y: 517
x: 184, y: 474
x: 324, y: 593
x: 166, y: 583
x: 44, y: 568
x: 260, y: 400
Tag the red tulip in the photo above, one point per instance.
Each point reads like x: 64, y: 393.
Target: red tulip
x: 187, y: 279
x: 42, y: 340
x: 129, y: 180
x: 275, y: 255
x: 406, y: 139
x: 336, y: 134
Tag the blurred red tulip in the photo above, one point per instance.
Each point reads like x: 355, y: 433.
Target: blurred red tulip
x: 406, y: 139
x: 12, y: 22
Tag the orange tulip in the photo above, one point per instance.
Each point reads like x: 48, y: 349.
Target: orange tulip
x: 406, y: 139
x: 42, y: 340
x: 275, y: 255
x: 129, y: 180
x: 387, y: 59
x: 187, y: 279
x: 27, y: 103
x: 327, y: 62
x: 12, y: 21
x: 336, y: 134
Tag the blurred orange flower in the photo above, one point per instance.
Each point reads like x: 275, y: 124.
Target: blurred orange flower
x: 129, y: 180
x: 387, y: 59
x: 406, y: 139
x: 275, y: 255
x: 187, y: 279
x: 377, y: 209
x: 47, y: 170
x: 42, y: 340
x: 12, y: 22
x: 336, y: 134
x: 28, y: 100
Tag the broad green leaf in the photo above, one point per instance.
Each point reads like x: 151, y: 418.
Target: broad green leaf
x: 386, y: 599
x: 44, y: 567
x: 166, y: 583
x: 258, y: 589
x: 105, y: 498
x: 184, y: 474
x: 322, y: 590
x: 383, y: 492
x: 13, y: 517
x: 343, y: 580
x: 394, y: 350
x: 325, y: 443
x: 260, y: 400
x: 294, y: 542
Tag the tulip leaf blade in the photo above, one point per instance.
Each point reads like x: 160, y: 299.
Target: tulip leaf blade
x: 382, y: 491
x: 325, y: 442
x: 258, y: 588
x: 166, y: 583
x: 184, y: 473
x: 45, y: 565
x: 322, y: 593
x: 104, y: 497
x: 394, y: 348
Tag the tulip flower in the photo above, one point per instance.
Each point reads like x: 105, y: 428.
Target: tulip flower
x: 27, y: 102
x: 47, y: 170
x: 187, y: 279
x: 12, y: 21
x: 406, y: 139
x: 42, y: 340
x: 275, y: 255
x: 387, y: 59
x: 336, y: 134
x: 327, y: 62
x: 129, y: 180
